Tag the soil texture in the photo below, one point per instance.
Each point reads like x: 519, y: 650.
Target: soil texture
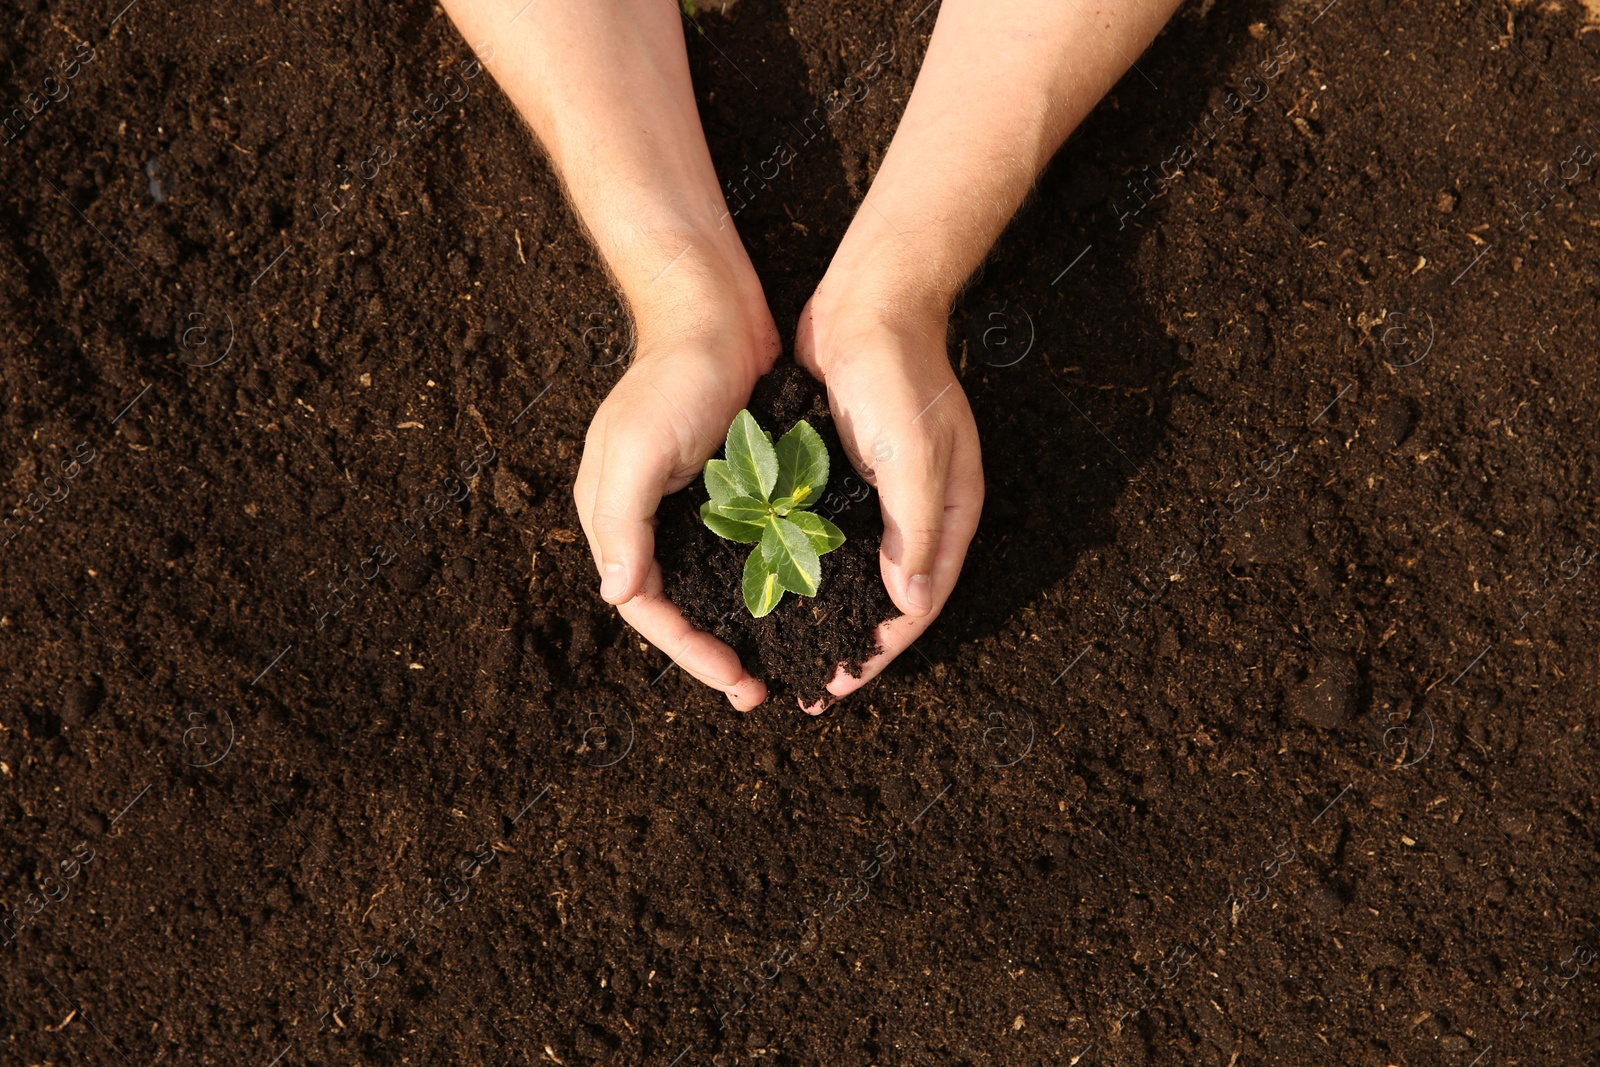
x: 1261, y: 728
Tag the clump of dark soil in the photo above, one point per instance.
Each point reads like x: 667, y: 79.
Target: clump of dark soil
x: 796, y: 647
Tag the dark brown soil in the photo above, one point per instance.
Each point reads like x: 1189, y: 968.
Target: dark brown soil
x: 1260, y: 730
x: 796, y: 648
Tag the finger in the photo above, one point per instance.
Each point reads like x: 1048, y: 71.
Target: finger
x: 702, y: 656
x: 627, y: 491
x: 805, y: 342
x: 911, y: 491
x: 583, y: 492
x: 964, y: 504
x: 818, y: 707
x: 894, y: 637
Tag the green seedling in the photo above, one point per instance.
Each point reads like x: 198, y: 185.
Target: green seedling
x: 759, y: 492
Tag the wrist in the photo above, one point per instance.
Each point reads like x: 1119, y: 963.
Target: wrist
x: 693, y: 292
x: 879, y: 302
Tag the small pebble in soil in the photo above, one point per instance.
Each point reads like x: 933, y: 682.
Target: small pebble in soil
x: 510, y: 492
x: 1392, y: 425
x: 158, y: 246
x: 135, y: 432
x: 1326, y: 697
x: 325, y: 501
x: 79, y: 701
x: 1324, y: 900
x: 411, y: 575
x: 152, y: 170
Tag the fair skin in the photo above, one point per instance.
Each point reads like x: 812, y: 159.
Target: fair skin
x: 605, y: 87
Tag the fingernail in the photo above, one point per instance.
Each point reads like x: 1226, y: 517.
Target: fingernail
x: 612, y: 580
x: 818, y: 708
x: 919, y: 594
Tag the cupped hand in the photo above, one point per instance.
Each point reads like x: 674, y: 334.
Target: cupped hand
x: 907, y: 429
x: 652, y: 436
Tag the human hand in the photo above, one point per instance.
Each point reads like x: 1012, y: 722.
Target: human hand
x: 609, y: 97
x: 1001, y: 86
x: 907, y: 429
x: 652, y: 436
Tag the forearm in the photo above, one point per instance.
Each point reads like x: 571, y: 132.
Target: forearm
x: 1001, y: 87
x: 604, y: 84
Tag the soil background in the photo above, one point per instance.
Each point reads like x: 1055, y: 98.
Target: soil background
x: 1261, y: 728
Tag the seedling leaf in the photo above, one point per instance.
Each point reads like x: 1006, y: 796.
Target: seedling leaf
x: 760, y: 586
x: 747, y: 533
x: 789, y: 554
x: 721, y: 482
x: 751, y: 457
x: 823, y: 535
x: 743, y: 509
x: 802, y: 465
x: 758, y: 494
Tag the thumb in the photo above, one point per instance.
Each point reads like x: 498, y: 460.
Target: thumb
x: 622, y: 535
x: 911, y: 490
x: 805, y: 341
